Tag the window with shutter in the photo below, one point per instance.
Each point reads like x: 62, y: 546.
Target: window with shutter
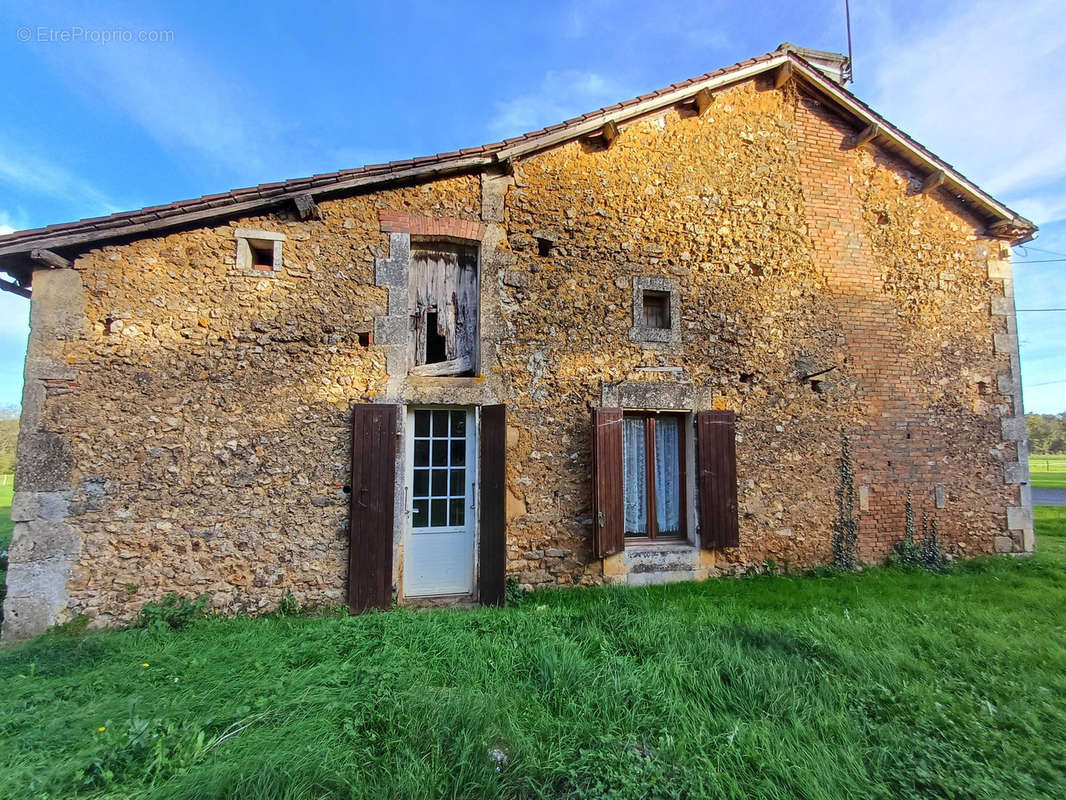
x: 639, y: 478
x: 608, y: 515
x: 653, y: 469
x: 717, y: 469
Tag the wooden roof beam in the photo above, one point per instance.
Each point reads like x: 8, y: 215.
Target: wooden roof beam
x: 606, y: 134
x: 703, y: 100
x: 306, y: 208
x: 47, y: 257
x: 609, y: 132
x: 867, y: 134
x: 14, y: 288
x: 934, y: 180
x: 1016, y: 231
x: 783, y: 75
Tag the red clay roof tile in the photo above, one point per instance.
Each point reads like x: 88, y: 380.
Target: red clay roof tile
x: 267, y: 191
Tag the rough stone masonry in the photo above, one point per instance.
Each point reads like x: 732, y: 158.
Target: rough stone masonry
x: 186, y: 418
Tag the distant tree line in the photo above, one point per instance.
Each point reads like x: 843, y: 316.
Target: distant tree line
x: 1047, y: 432
x: 9, y: 434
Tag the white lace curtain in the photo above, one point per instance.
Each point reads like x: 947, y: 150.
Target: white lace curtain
x: 667, y: 476
x: 634, y: 448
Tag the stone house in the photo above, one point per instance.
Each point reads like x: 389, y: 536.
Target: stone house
x: 618, y: 349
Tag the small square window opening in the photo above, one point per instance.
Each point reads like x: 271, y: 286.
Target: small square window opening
x: 656, y: 309
x: 262, y: 254
x: 258, y: 251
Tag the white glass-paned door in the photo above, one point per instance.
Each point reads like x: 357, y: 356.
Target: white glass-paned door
x: 441, y: 482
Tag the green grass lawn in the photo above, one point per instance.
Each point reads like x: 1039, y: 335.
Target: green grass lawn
x: 1048, y: 472
x: 881, y: 685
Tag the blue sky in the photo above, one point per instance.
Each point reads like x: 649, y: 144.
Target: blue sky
x: 235, y: 95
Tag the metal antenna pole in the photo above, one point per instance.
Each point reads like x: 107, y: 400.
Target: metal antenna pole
x: 847, y: 22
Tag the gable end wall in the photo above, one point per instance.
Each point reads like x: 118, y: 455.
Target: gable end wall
x: 195, y: 420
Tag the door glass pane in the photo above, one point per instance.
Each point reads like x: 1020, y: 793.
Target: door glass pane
x: 440, y: 483
x: 668, y: 476
x: 458, y: 423
x: 440, y: 423
x: 440, y: 453
x: 458, y: 452
x: 420, y: 514
x: 421, y: 487
x: 455, y: 513
x: 421, y: 423
x: 421, y: 452
x: 458, y: 476
x: 439, y: 513
x: 634, y: 469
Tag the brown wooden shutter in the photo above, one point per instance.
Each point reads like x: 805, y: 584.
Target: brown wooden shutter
x: 492, y: 541
x: 608, y: 519
x: 716, y: 436
x: 372, y: 507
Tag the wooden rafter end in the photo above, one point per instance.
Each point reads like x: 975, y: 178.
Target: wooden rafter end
x: 53, y: 260
x: 14, y: 288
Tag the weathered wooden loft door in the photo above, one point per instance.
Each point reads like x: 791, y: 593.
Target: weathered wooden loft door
x: 372, y: 507
x: 443, y: 306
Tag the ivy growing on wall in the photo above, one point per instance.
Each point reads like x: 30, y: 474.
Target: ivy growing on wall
x: 845, y: 526
x: 932, y: 557
x: 910, y: 553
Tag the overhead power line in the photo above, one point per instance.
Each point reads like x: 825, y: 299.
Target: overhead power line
x: 1025, y: 248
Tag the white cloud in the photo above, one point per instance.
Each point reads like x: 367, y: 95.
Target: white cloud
x: 28, y: 171
x: 203, y: 114
x: 179, y: 100
x: 585, y: 17
x: 986, y: 96
x: 562, y: 94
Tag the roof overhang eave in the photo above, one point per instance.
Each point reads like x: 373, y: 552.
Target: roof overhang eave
x: 1005, y: 223
x: 1002, y: 222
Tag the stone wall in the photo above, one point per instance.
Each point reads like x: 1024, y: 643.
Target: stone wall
x: 208, y: 430
x: 202, y: 412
